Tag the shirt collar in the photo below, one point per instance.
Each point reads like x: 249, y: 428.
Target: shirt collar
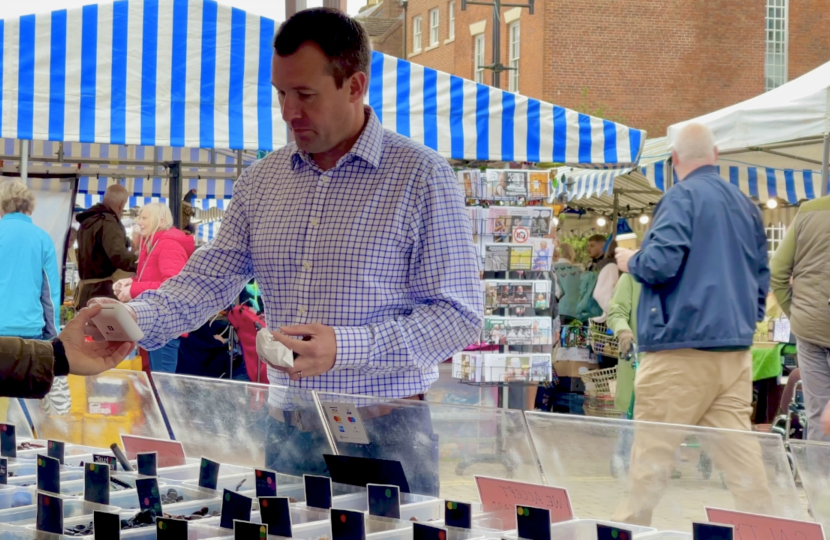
x: 18, y: 215
x: 368, y: 147
x: 704, y: 169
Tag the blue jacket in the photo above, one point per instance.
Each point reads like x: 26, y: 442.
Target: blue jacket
x: 30, y: 286
x: 703, y: 266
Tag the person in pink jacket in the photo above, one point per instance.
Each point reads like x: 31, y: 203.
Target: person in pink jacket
x: 163, y: 252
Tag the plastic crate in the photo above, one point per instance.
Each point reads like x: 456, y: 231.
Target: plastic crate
x: 18, y: 519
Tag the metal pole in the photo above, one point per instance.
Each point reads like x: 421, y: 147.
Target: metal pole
x: 824, y: 165
x: 496, y: 43
x: 175, y: 175
x: 24, y: 159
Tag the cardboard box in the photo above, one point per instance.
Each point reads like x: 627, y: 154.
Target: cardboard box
x: 572, y: 384
x: 573, y: 369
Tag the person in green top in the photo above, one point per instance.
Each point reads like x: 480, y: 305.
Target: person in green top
x: 622, y: 320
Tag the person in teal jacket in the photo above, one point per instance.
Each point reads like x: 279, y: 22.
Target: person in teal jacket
x: 29, y: 279
x: 568, y: 274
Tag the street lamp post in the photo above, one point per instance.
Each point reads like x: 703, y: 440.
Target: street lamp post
x: 497, y: 67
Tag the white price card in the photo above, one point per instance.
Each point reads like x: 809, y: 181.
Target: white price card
x: 345, y: 422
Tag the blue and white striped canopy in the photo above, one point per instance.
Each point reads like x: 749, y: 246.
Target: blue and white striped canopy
x: 194, y: 73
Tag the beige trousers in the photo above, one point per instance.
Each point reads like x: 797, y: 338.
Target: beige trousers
x: 702, y: 388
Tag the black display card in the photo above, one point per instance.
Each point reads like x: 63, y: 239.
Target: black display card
x: 48, y: 474
x: 8, y: 441
x: 109, y: 461
x: 235, y: 507
x: 266, y: 484
x: 533, y: 523
x: 604, y: 532
x: 711, y: 531
x: 148, y: 494
x: 171, y: 529
x: 245, y: 530
x: 97, y: 483
x: 4, y: 471
x: 276, y: 514
x: 360, y: 471
x: 384, y: 501
x: 106, y: 526
x: 49, y: 513
x: 347, y: 525
x: 428, y: 532
x: 317, y: 491
x: 208, y: 474
x: 147, y: 463
x: 458, y: 514
x: 55, y: 449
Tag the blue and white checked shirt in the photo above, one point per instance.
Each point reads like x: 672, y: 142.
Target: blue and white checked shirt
x: 379, y: 247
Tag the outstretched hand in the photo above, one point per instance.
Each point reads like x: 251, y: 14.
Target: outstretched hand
x: 90, y: 358
x: 317, y: 351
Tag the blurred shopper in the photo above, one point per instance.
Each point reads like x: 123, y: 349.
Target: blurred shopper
x: 703, y: 269
x: 103, y: 254
x: 163, y: 252
x: 801, y: 283
x: 607, y: 277
x: 30, y: 287
x: 622, y: 320
x: 567, y: 274
x: 588, y: 308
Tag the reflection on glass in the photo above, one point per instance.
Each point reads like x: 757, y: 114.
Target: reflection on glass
x: 659, y: 474
x: 100, y: 409
x: 442, y: 446
x: 12, y: 413
x: 813, y: 463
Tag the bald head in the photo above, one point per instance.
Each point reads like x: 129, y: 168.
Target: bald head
x: 692, y: 148
x: 116, y: 198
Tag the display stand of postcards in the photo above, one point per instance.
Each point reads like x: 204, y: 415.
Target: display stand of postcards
x: 512, y: 233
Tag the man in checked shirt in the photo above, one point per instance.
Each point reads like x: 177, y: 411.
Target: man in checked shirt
x: 358, y: 240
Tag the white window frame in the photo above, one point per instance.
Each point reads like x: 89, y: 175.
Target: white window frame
x: 451, y: 11
x: 514, y: 51
x: 479, y: 47
x: 776, y: 46
x: 434, y: 23
x: 416, y: 34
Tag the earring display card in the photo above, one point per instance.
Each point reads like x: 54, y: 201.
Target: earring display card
x: 109, y: 461
x: 428, y: 532
x: 459, y: 515
x: 171, y: 529
x: 235, y: 507
x: 245, y: 530
x: 48, y: 474
x: 317, y: 491
x: 276, y: 514
x: 97, y: 483
x: 8, y: 441
x: 55, y: 449
x: 208, y: 474
x: 49, y: 513
x: 148, y: 494
x: 384, y: 501
x: 712, y: 531
x: 147, y: 463
x: 534, y: 523
x: 604, y: 532
x: 266, y: 484
x: 4, y: 471
x: 347, y: 525
x: 107, y: 526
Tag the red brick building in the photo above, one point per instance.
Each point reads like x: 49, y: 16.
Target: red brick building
x: 648, y: 63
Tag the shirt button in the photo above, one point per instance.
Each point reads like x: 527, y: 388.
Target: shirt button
x: 315, y: 221
x: 324, y: 179
x: 302, y: 310
x: 306, y: 266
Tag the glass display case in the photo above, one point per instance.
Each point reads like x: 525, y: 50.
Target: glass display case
x: 12, y: 413
x: 812, y: 461
x: 615, y: 468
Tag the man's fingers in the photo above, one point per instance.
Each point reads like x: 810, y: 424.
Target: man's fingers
x: 300, y: 330
x: 86, y: 314
x: 295, y: 345
x: 99, y: 301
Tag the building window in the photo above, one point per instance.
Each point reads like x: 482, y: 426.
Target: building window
x: 452, y: 19
x: 416, y: 34
x: 478, y: 58
x: 514, y: 57
x: 776, y: 59
x: 433, y: 28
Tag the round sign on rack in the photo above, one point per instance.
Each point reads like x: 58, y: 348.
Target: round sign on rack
x: 521, y: 235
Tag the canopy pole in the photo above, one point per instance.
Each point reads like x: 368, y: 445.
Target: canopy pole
x: 616, y: 218
x: 824, y: 165
x: 24, y: 159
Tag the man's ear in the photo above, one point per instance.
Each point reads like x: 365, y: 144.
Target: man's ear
x: 358, y: 86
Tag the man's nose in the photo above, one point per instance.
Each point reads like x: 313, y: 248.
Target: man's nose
x: 291, y: 109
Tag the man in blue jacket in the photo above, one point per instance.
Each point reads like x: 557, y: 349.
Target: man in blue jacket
x: 704, y: 275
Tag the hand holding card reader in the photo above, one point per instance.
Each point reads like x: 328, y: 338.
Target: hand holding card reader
x: 116, y: 324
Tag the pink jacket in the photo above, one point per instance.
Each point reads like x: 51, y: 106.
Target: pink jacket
x: 171, y: 249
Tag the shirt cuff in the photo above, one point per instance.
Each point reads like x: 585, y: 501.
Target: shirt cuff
x: 354, y: 346
x: 60, y: 366
x: 146, y: 316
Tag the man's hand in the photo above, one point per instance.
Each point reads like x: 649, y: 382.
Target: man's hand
x: 90, y: 358
x: 625, y: 338
x: 825, y: 419
x: 92, y: 330
x: 317, y: 352
x: 623, y: 256
x: 121, y: 288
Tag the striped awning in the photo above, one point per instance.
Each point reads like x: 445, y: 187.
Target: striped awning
x: 86, y: 200
x: 196, y: 74
x: 206, y: 232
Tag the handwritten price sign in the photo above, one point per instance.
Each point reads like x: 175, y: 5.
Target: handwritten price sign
x: 502, y: 496
x: 757, y: 527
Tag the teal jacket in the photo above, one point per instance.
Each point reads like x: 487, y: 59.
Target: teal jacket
x: 29, y: 280
x: 568, y: 275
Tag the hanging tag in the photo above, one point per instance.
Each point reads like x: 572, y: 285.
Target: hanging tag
x: 147, y: 463
x: 97, y: 483
x: 235, y: 507
x: 208, y: 474
x: 266, y: 484
x: 459, y: 515
x: 384, y: 501
x: 48, y: 474
x: 245, y: 530
x: 49, y: 514
x: 106, y: 526
x: 317, y: 491
x: 534, y: 523
x: 8, y: 441
x: 276, y: 513
x: 55, y: 449
x: 347, y: 525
